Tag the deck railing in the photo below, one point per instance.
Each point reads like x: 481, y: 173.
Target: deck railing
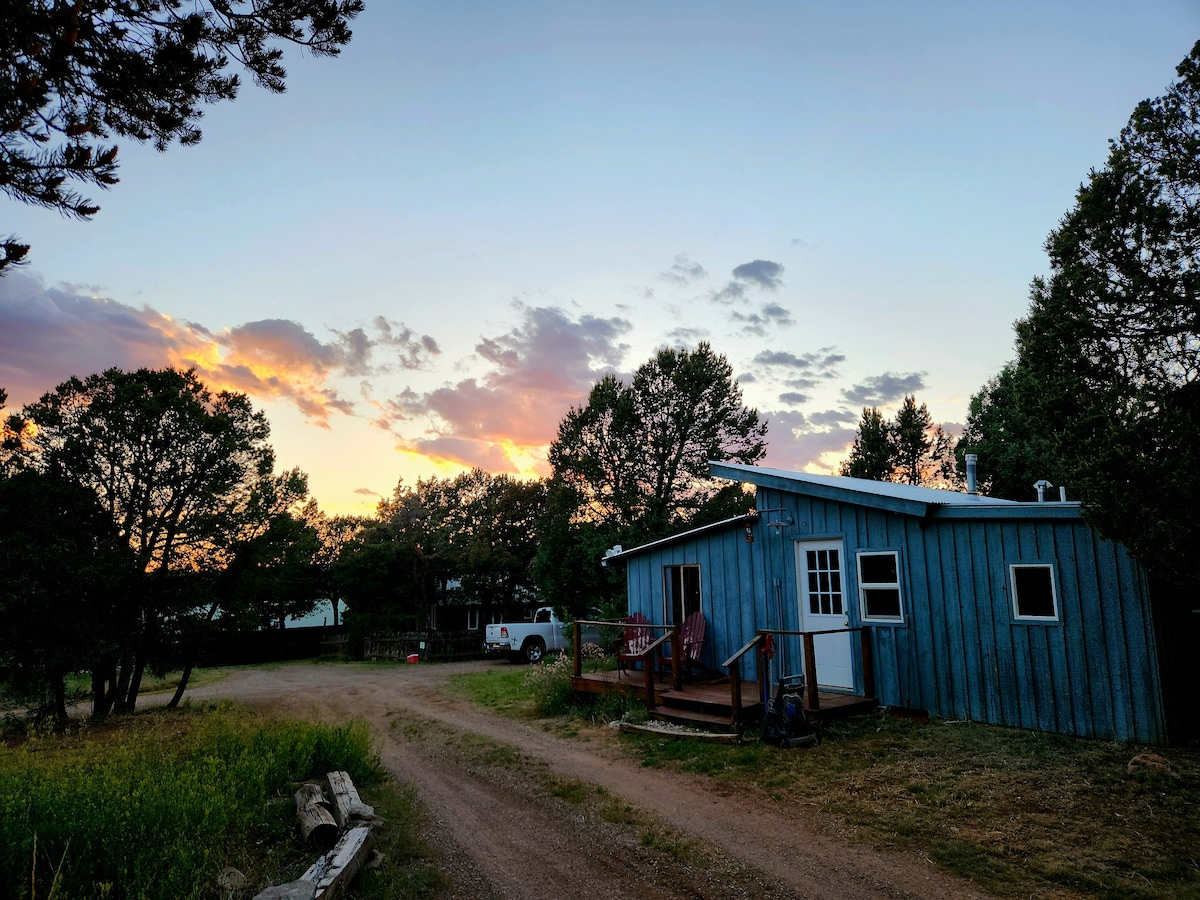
x: 812, y: 698
x: 646, y: 656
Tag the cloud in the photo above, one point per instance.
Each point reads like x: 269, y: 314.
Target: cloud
x: 880, y: 390
x: 733, y: 291
x: 803, y: 372
x: 792, y: 398
x: 771, y: 318
x: 684, y: 271
x: 538, y: 370
x: 797, y: 441
x: 762, y: 272
x: 831, y: 418
x: 50, y: 334
x: 685, y: 336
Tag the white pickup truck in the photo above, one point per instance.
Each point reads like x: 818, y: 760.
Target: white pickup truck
x: 528, y: 640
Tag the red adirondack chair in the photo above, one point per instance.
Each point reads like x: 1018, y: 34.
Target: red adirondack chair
x: 634, y: 641
x: 691, y: 634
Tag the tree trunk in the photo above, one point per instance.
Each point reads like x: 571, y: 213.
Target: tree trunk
x: 54, y: 698
x: 129, y: 704
x: 104, y: 682
x: 98, y: 682
x: 121, y: 685
x: 183, y: 683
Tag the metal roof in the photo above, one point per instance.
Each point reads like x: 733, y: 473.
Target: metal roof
x: 902, y: 498
x: 682, y: 536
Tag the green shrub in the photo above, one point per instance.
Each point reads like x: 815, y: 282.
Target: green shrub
x: 550, y: 683
x: 158, y: 806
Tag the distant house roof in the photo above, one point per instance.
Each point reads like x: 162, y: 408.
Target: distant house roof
x: 901, y: 498
x: 682, y: 536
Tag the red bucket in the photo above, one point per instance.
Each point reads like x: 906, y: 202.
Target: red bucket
x: 413, y: 659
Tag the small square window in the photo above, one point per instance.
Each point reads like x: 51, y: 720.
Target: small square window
x: 1033, y: 591
x: 879, y: 586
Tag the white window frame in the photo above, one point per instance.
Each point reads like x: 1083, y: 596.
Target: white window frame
x: 472, y: 618
x: 1012, y: 585
x: 864, y: 586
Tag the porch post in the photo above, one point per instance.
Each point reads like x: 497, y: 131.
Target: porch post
x: 810, y: 672
x: 735, y: 691
x: 577, y: 647
x: 677, y: 657
x: 648, y: 668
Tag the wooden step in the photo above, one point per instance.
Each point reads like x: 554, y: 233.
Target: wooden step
x: 703, y: 721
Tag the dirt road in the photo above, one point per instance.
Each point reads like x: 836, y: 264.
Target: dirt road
x: 507, y: 836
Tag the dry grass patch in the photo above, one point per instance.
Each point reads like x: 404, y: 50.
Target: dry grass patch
x: 1019, y: 813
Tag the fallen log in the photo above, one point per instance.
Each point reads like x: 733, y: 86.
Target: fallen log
x: 293, y: 890
x: 316, y: 823
x: 334, y: 871
x: 347, y: 805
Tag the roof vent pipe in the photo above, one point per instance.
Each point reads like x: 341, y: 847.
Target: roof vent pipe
x: 1041, y: 489
x: 972, y: 475
x: 1062, y: 493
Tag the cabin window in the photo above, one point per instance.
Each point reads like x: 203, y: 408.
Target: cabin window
x: 824, y: 569
x: 1033, y: 593
x: 472, y: 618
x: 879, y: 586
x: 543, y: 616
x: 681, y: 593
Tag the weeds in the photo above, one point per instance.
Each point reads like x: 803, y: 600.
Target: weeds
x: 156, y: 805
x: 545, y: 691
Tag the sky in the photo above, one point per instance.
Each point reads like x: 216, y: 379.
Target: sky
x: 420, y: 257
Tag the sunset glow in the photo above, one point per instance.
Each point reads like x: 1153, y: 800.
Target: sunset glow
x: 849, y: 202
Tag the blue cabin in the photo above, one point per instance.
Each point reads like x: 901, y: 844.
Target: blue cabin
x: 996, y: 611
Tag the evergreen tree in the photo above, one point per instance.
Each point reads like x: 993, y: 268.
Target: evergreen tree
x: 1105, y: 389
x: 909, y: 449
x: 632, y: 465
x: 78, y: 74
x: 637, y: 455
x: 872, y: 455
x: 183, y: 474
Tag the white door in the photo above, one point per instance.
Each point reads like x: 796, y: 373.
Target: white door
x: 819, y: 569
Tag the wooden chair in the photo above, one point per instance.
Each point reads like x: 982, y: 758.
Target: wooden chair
x: 634, y: 642
x: 692, y: 638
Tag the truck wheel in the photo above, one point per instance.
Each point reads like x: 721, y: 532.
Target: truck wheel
x: 534, y: 650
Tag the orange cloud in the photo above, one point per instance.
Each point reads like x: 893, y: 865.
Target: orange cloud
x: 504, y: 420
x: 49, y: 334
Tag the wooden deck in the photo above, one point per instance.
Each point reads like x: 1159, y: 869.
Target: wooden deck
x: 709, y: 704
x: 712, y: 704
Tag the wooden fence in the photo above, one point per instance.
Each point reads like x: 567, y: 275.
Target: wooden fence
x: 429, y: 646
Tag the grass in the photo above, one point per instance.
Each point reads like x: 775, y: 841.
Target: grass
x: 540, y: 691
x: 157, y: 804
x: 1019, y: 813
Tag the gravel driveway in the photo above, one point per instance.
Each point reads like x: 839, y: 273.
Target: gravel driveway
x: 504, y: 835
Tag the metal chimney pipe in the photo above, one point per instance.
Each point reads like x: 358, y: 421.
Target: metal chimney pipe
x: 1062, y: 493
x: 972, y: 473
